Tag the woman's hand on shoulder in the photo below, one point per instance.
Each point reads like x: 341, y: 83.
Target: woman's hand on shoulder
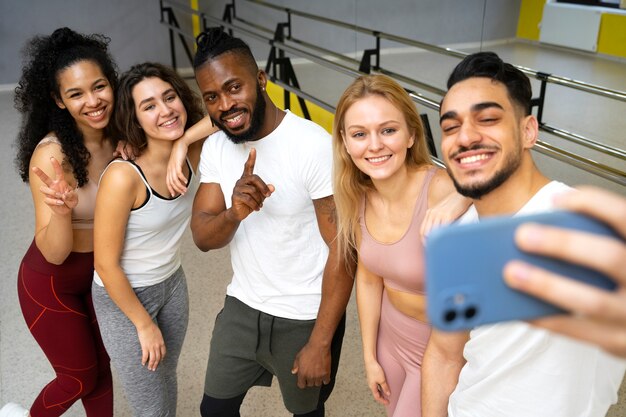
x: 445, y: 205
x: 125, y: 151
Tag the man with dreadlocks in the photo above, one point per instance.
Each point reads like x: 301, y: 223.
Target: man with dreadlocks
x: 284, y: 313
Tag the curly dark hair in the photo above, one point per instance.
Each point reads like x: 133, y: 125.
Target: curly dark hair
x: 125, y: 121
x: 45, y: 57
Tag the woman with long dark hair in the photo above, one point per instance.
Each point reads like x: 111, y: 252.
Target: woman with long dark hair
x: 66, y: 97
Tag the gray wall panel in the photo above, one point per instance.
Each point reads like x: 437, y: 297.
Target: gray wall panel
x: 136, y: 34
x: 133, y: 26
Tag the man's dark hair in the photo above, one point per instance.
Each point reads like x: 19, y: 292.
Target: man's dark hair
x: 489, y: 65
x: 214, y: 42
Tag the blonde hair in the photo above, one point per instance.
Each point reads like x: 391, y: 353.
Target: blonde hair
x: 350, y: 184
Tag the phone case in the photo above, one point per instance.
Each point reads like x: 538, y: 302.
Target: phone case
x: 464, y: 266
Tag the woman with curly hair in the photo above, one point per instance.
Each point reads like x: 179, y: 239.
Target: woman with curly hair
x: 66, y: 96
x: 388, y: 193
x: 139, y: 290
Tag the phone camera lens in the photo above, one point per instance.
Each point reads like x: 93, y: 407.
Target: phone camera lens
x: 470, y: 312
x: 449, y: 316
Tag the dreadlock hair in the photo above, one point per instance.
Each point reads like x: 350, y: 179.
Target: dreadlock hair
x: 125, y: 115
x: 45, y: 58
x: 214, y: 42
x: 489, y: 65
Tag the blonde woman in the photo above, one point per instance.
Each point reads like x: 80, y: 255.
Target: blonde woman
x: 385, y: 187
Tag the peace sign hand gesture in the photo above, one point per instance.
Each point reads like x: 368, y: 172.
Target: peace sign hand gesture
x: 250, y: 191
x: 59, y: 195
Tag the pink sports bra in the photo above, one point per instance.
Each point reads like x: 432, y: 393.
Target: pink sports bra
x: 82, y: 214
x: 400, y: 264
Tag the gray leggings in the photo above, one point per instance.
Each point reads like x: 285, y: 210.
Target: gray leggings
x: 149, y: 393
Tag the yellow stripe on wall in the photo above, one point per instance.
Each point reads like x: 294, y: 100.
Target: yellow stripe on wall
x: 319, y: 115
x: 195, y: 19
x: 530, y: 14
x: 612, y: 37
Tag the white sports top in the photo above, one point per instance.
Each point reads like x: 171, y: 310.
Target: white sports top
x: 153, y: 234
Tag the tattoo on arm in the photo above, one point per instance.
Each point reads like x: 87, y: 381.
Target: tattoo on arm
x: 326, y: 206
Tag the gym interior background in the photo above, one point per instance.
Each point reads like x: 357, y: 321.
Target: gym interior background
x: 557, y: 40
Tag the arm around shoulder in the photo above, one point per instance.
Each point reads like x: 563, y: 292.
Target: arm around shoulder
x: 188, y: 145
x: 445, y: 205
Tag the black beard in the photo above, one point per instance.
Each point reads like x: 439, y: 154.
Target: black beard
x: 477, y: 191
x: 256, y: 122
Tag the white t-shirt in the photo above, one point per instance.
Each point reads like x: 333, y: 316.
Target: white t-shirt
x: 278, y: 255
x: 516, y: 370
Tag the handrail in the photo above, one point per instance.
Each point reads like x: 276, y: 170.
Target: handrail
x: 568, y: 82
x: 581, y: 140
x: 589, y: 165
x: 577, y: 85
x: 301, y: 42
x: 328, y: 107
x: 337, y: 55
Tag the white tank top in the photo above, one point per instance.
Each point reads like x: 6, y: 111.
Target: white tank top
x: 154, y: 232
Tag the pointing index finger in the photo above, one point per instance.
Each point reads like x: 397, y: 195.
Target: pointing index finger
x: 248, y: 168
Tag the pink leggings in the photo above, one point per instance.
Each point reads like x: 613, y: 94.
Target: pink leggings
x: 400, y: 349
x: 56, y: 304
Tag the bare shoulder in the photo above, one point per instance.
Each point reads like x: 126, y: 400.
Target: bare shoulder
x: 43, y: 152
x: 41, y: 158
x: 120, y: 177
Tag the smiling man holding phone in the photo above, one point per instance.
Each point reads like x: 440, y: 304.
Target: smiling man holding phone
x: 505, y: 369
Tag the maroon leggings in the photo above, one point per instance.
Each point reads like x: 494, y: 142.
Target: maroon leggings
x: 56, y: 304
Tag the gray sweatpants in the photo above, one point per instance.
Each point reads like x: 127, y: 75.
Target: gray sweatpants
x: 149, y: 393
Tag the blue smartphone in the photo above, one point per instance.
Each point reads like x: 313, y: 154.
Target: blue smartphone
x: 464, y: 265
